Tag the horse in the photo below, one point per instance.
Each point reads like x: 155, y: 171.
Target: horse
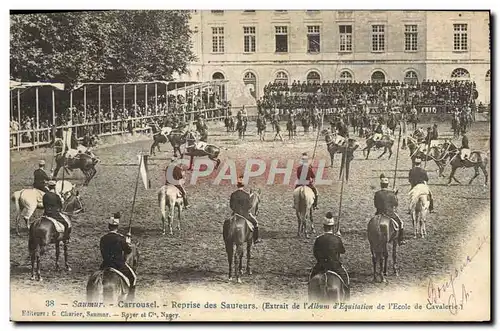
x: 327, y: 287
x: 170, y: 196
x: 237, y: 231
x: 109, y: 284
x: 419, y: 208
x: 83, y: 161
x: 455, y: 125
x: 386, y: 142
x: 261, y: 128
x: 200, y: 149
x: 229, y: 124
x: 392, y: 123
x: 43, y: 232
x: 303, y: 199
x: 291, y: 127
x: 381, y: 232
x: 241, y: 126
x: 477, y: 160
x: 29, y: 200
x: 160, y: 136
x: 435, y: 154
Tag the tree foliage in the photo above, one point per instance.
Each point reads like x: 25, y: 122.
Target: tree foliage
x: 112, y: 46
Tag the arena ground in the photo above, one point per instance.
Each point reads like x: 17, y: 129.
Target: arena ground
x: 195, y: 257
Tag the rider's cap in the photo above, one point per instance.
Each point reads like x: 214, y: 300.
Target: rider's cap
x: 51, y: 183
x: 383, y: 179
x: 304, y: 157
x: 329, y: 219
x: 115, y: 220
x: 41, y: 162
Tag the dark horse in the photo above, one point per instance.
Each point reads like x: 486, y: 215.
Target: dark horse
x: 209, y: 150
x: 229, y: 124
x: 326, y: 287
x: 434, y: 154
x: 83, y: 161
x: 392, y: 122
x: 43, y: 232
x: 236, y: 232
x: 109, y: 284
x: 159, y: 137
x: 386, y: 142
x: 477, y: 160
x: 291, y: 127
x: 241, y: 126
x: 381, y: 232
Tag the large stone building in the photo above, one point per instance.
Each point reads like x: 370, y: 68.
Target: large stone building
x: 252, y: 48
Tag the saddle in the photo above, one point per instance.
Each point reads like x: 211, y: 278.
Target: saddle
x: 200, y: 145
x: 122, y: 276
x: 58, y: 225
x: 394, y: 224
x: 335, y: 274
x: 250, y: 225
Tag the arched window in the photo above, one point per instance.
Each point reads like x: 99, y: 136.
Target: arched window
x: 488, y: 75
x: 250, y: 82
x: 218, y: 75
x: 345, y: 77
x: 313, y: 77
x: 281, y: 77
x: 411, y: 77
x: 460, y: 74
x: 378, y: 77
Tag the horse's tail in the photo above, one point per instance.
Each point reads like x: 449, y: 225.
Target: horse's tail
x: 94, y: 286
x: 302, y: 202
x: 162, y: 201
x: 15, y: 198
x: 384, y: 232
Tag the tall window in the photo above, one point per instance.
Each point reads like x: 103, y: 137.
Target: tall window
x: 313, y: 39
x: 345, y: 34
x: 411, y: 77
x: 378, y: 38
x: 281, y: 77
x: 249, y: 39
x: 459, y: 37
x: 250, y: 82
x: 460, y: 74
x: 378, y: 77
x: 345, y: 77
x: 313, y: 77
x: 411, y: 37
x: 218, y: 40
x: 281, y: 36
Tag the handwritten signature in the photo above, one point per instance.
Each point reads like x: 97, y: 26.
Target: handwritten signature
x: 436, y: 293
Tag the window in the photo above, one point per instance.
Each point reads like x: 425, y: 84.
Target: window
x: 345, y: 34
x: 281, y: 77
x: 378, y: 38
x: 249, y: 39
x: 217, y: 76
x: 250, y: 82
x: 281, y: 39
x: 313, y: 40
x: 378, y: 77
x: 218, y: 40
x: 411, y: 38
x: 217, y: 12
x: 460, y: 74
x: 459, y: 37
x: 488, y: 75
x: 345, y: 77
x: 313, y: 77
x: 411, y: 77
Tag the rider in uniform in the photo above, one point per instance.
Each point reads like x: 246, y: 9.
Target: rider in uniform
x: 418, y: 175
x: 464, y: 150
x: 327, y: 250
x: 239, y: 202
x: 385, y: 201
x: 41, y: 177
x: 53, y: 204
x: 177, y: 176
x: 309, y: 178
x: 114, y: 247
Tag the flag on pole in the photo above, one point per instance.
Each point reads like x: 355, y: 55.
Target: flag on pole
x: 143, y: 170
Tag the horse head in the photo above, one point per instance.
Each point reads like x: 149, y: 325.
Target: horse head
x: 255, y: 199
x: 73, y: 204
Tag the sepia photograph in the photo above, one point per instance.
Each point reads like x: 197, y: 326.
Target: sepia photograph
x: 250, y: 165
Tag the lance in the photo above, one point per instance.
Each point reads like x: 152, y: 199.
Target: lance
x: 427, y: 153
x: 342, y: 174
x: 135, y: 194
x: 397, y: 158
x: 317, y: 137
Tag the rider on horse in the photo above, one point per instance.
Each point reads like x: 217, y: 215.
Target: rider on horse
x: 385, y: 201
x: 464, y: 150
x: 177, y: 176
x: 239, y: 202
x: 41, y: 177
x: 309, y: 178
x: 327, y: 250
x: 114, y: 246
x: 342, y: 129
x: 53, y: 204
x: 417, y: 176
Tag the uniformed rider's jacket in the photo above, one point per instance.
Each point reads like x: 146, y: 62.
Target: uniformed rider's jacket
x: 310, y: 173
x: 40, y: 177
x: 417, y: 175
x: 327, y: 250
x: 385, y: 202
x: 239, y: 202
x: 113, y: 250
x: 52, y: 204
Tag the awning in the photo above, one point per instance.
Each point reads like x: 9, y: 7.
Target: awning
x: 23, y: 85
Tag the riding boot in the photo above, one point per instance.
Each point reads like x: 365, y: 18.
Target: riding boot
x: 401, y: 240
x: 186, y: 204
x: 131, y: 293
x: 256, y: 239
x: 431, y: 205
x: 315, y: 203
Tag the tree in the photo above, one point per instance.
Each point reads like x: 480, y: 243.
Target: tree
x: 116, y: 46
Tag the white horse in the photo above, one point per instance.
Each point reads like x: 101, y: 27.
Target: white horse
x: 419, y: 208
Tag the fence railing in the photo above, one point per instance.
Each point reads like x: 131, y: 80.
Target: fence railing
x: 36, y: 138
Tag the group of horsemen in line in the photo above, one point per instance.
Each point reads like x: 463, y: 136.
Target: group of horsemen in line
x: 327, y: 247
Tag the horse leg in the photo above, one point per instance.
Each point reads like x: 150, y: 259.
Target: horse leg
x: 485, y: 173
x: 414, y: 222
x: 385, y: 151
x: 237, y: 263
x: 65, y: 247
x: 386, y: 258
x: 299, y: 223
x: 311, y: 219
x: 58, y: 252
x: 395, y: 266
x: 179, y: 218
x: 476, y: 173
x: 249, y: 256
x: 367, y: 152
x: 38, y: 253
x: 452, y: 175
x: 390, y: 152
x: 374, y: 261
x: 229, y: 252
x: 383, y: 264
x: 152, y: 149
x: 33, y: 259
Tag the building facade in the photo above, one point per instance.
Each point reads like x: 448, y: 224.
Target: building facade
x: 252, y: 48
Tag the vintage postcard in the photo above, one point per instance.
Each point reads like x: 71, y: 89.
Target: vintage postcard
x: 250, y: 165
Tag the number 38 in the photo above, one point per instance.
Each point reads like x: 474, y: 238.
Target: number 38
x: 49, y: 303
